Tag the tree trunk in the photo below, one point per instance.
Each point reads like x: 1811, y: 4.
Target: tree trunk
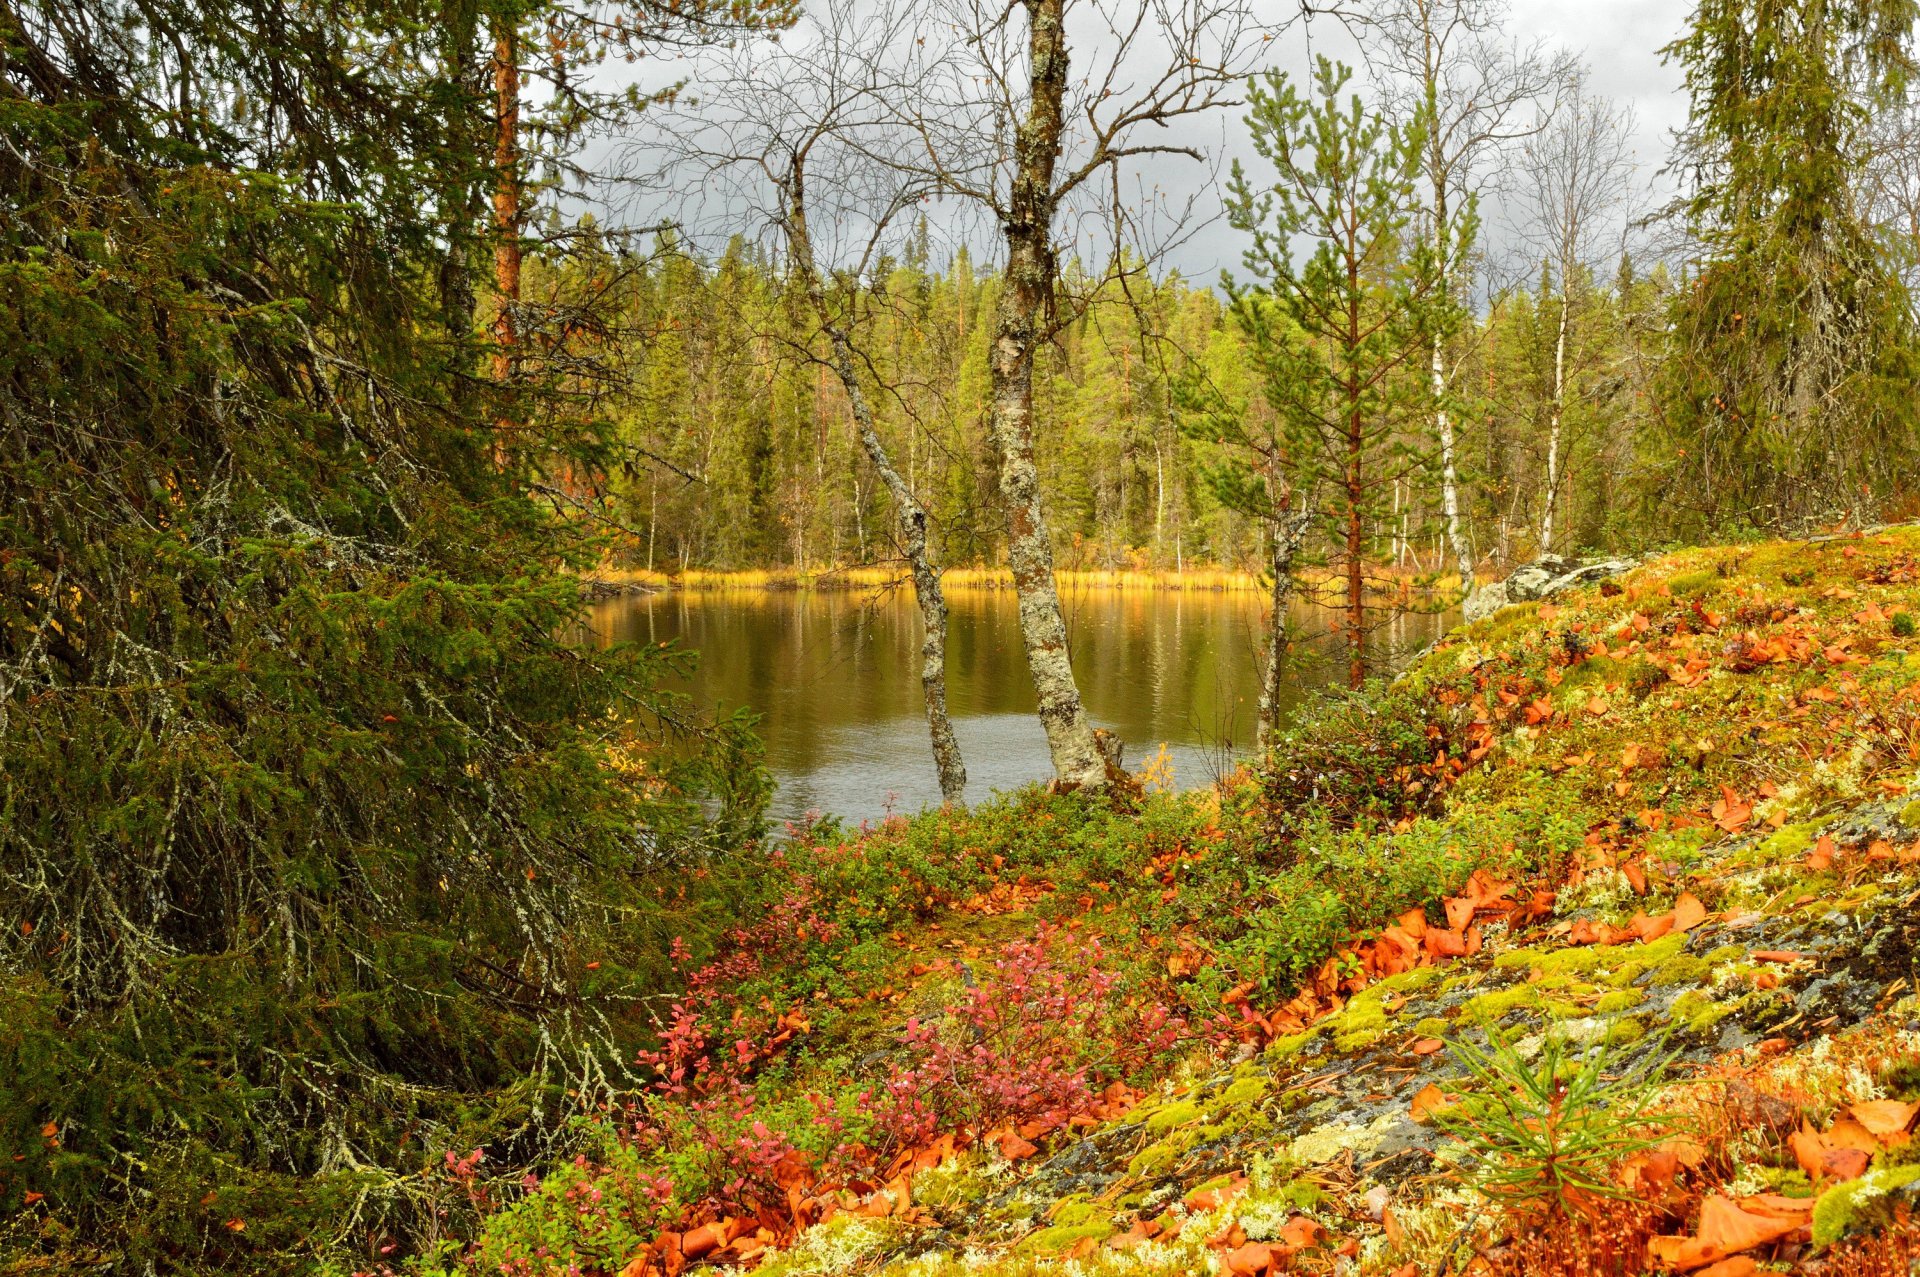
x: 1555, y: 411
x: 912, y: 522
x: 1289, y: 531
x: 1028, y: 288
x: 506, y: 210
x: 910, y: 518
x: 1442, y: 419
x: 1356, y: 582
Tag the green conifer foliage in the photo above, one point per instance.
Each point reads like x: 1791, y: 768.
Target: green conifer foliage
x: 322, y: 850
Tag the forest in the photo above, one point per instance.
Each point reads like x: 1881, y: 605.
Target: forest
x: 357, y: 917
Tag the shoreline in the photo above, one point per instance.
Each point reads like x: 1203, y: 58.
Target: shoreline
x: 611, y: 582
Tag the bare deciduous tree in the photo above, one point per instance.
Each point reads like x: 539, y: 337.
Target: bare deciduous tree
x: 1577, y: 168
x: 1448, y: 62
x: 1003, y: 123
x: 802, y: 124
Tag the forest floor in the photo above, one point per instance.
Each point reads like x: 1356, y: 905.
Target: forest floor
x: 1589, y: 945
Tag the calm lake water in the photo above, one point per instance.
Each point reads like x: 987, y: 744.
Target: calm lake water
x: 835, y: 676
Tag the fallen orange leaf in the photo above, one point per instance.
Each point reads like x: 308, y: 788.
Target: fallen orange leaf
x: 1725, y: 1230
x: 1425, y: 1101
x: 1884, y: 1118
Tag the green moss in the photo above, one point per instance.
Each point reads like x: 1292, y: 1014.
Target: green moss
x: 1786, y: 843
x: 1516, y: 959
x: 1246, y: 1090
x: 1860, y: 1203
x: 1176, y: 1114
x: 1910, y: 814
x: 1069, y: 1211
x: 1431, y: 1027
x: 1052, y: 1241
x: 1685, y: 969
x: 1489, y: 1008
x: 1155, y: 1159
x: 1626, y: 1031
x: 1291, y: 1045
x: 1619, y: 1000
x: 1697, y: 1011
x: 1689, y: 584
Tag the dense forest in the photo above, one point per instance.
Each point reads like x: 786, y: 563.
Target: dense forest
x: 744, y: 454
x: 357, y: 918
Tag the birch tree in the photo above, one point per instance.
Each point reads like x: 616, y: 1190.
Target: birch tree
x: 1005, y: 124
x: 1577, y: 169
x: 804, y: 121
x: 1448, y: 60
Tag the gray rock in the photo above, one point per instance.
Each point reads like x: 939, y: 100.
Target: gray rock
x: 1544, y: 578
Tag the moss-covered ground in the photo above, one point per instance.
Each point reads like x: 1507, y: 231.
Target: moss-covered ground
x: 1670, y: 824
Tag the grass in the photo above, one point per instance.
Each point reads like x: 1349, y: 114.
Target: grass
x: 1198, y: 579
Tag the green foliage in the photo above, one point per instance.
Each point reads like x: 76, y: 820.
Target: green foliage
x: 1546, y: 1132
x: 1788, y: 393
x: 1357, y: 760
x: 322, y: 852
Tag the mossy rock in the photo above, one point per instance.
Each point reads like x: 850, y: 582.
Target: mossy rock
x: 1069, y: 1211
x: 1625, y: 1031
x: 1860, y: 1204
x: 1687, y: 969
x: 1244, y: 1091
x: 1179, y: 1113
x: 1490, y: 1008
x: 1155, y: 1159
x: 1619, y: 1000
x: 1062, y: 1237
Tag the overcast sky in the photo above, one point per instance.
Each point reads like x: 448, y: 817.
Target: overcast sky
x: 1617, y: 40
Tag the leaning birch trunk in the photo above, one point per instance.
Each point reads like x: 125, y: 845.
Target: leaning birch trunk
x: 909, y: 517
x: 1077, y: 757
x: 1289, y: 530
x: 1555, y: 412
x: 911, y: 521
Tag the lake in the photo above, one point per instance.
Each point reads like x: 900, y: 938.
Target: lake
x: 835, y: 675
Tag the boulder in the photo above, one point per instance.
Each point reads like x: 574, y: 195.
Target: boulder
x: 1544, y: 578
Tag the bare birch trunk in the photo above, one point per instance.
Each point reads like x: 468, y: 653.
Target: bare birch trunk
x: 1077, y: 757
x: 910, y: 518
x: 1555, y: 412
x: 1289, y: 531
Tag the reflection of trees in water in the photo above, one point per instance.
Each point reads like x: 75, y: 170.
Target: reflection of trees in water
x: 827, y: 669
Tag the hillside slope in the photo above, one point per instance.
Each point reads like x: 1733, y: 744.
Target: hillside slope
x: 1587, y: 946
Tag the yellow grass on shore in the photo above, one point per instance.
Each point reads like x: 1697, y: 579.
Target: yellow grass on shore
x: 1211, y: 579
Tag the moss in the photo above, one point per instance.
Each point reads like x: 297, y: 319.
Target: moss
x: 1786, y: 843
x: 1492, y: 1007
x: 1517, y: 959
x: 1860, y: 1203
x: 1698, y: 1012
x: 1910, y: 814
x: 1362, y: 1024
x: 1176, y: 1114
x: 1688, y: 584
x: 1291, y: 1045
x: 1244, y: 1091
x: 1071, y: 1211
x: 1155, y: 1159
x: 1626, y: 1031
x: 1619, y: 1000
x: 1052, y: 1241
x: 1431, y: 1027
x: 1685, y: 969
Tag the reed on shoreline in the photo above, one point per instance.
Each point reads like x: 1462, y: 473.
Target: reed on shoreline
x: 1210, y: 579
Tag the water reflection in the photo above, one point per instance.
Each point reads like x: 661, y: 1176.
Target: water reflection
x: 835, y: 676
